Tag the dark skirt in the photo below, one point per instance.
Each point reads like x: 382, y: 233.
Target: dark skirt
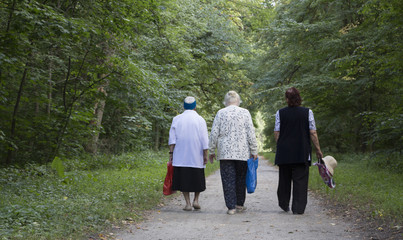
x: 187, y: 179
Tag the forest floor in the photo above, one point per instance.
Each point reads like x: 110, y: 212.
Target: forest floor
x: 263, y: 219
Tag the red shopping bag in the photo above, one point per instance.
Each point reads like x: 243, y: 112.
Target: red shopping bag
x: 168, y: 180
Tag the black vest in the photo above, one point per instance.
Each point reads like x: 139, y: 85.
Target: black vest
x: 294, y: 142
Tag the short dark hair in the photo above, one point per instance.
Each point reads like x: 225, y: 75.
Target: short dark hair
x: 294, y: 99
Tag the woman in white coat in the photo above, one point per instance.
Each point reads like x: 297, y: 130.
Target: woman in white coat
x: 233, y: 135
x: 188, y: 146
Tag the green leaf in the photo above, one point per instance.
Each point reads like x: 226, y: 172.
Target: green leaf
x: 57, y: 164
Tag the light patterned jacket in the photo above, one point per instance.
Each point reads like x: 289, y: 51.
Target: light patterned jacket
x: 233, y: 134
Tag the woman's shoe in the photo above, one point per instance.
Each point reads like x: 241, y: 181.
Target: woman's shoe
x: 287, y: 209
x: 187, y: 208
x: 196, y: 206
x: 231, y: 211
x: 240, y: 209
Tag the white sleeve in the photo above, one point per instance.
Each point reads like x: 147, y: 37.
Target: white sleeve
x: 172, y: 133
x: 251, y: 136
x: 204, y: 134
x: 215, y: 130
x: 277, y: 122
x: 312, y: 125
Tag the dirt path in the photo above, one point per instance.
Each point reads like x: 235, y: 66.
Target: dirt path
x: 262, y: 220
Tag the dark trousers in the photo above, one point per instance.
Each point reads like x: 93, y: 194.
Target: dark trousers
x: 297, y: 175
x: 233, y: 177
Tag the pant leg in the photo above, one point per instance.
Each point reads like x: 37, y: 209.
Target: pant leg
x: 300, y: 177
x: 228, y: 179
x: 284, y: 186
x: 241, y: 168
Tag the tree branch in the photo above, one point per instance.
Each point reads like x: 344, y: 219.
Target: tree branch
x: 65, y: 85
x: 10, y: 16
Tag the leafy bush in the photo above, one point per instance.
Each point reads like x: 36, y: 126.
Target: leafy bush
x: 37, y: 202
x: 390, y: 161
x: 361, y: 182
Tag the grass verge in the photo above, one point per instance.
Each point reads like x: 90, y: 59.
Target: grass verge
x: 374, y: 193
x: 86, y: 197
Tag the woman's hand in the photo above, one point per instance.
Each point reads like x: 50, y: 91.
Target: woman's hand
x: 171, y: 152
x: 319, y: 154
x: 205, y: 156
x: 254, y: 157
x: 212, y: 157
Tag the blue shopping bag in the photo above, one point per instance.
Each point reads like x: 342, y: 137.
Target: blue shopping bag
x: 251, y: 175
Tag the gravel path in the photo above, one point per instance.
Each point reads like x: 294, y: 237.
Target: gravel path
x: 262, y: 220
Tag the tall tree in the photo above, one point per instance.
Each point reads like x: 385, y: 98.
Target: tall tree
x: 55, y: 56
x: 344, y: 57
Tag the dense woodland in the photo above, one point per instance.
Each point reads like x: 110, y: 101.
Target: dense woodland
x: 95, y: 76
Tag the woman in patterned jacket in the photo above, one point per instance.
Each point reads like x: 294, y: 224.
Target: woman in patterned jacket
x: 233, y: 135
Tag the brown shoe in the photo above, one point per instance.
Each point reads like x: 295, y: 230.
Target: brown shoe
x: 196, y: 206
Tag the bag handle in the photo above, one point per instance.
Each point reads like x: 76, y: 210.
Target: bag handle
x: 320, y: 160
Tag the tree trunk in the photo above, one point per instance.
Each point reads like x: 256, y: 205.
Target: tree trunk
x: 371, y: 109
x: 163, y: 139
x: 92, y: 146
x: 157, y: 136
x: 69, y: 107
x: 99, y: 115
x: 10, y: 16
x: 50, y: 90
x: 11, y: 150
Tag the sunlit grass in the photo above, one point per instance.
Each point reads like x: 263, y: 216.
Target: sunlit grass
x: 375, y: 192
x: 36, y: 204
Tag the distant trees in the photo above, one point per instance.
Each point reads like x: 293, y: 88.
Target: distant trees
x: 346, y: 58
x: 107, y: 76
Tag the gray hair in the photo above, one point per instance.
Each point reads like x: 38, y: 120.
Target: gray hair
x: 189, y: 100
x: 232, y: 98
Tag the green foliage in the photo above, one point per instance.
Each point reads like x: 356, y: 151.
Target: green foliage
x: 35, y: 203
x: 86, y: 80
x: 139, y: 58
x: 80, y: 76
x: 57, y: 165
x: 344, y: 57
x: 360, y: 182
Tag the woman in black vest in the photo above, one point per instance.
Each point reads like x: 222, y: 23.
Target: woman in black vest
x: 294, y: 129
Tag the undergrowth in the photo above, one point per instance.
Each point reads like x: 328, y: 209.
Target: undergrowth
x: 376, y: 192
x: 71, y: 199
